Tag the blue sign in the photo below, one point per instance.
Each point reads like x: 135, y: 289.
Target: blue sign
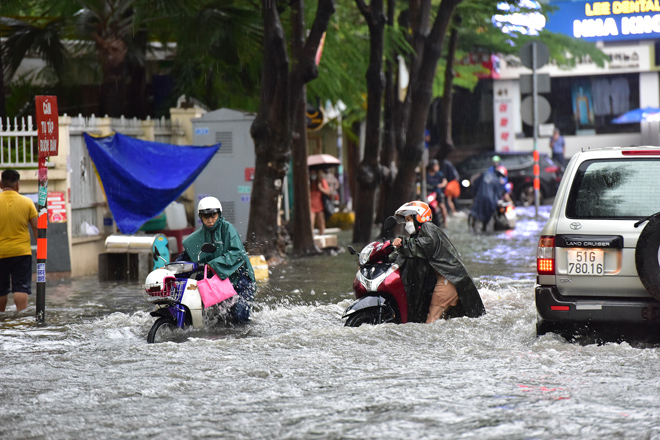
x: 41, y: 272
x: 606, y: 20
x: 201, y: 131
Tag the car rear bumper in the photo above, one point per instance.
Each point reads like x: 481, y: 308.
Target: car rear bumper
x: 554, y: 308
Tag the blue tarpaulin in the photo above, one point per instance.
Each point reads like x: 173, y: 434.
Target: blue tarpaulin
x: 141, y: 178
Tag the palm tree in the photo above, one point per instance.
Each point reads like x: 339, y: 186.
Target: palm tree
x: 40, y: 37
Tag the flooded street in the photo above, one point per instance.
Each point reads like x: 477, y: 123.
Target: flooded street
x: 296, y: 372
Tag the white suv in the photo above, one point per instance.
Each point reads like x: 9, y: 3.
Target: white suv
x: 598, y: 255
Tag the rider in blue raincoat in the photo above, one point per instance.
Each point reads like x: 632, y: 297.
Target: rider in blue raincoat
x: 489, y: 188
x: 229, y: 260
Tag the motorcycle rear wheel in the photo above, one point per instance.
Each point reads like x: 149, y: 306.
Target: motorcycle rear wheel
x: 162, y: 330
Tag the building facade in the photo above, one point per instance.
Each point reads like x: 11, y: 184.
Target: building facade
x: 585, y: 99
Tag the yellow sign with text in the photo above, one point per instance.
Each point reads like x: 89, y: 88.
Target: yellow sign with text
x: 597, y: 9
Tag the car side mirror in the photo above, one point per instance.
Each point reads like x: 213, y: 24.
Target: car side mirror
x: 351, y: 250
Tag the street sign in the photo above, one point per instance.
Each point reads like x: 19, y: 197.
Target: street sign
x: 542, y: 83
x: 47, y: 125
x: 315, y: 118
x: 48, y: 137
x: 542, y: 54
x: 527, y: 112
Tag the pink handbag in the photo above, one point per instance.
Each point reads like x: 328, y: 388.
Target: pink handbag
x: 214, y: 290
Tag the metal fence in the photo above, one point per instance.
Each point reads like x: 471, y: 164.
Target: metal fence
x: 18, y: 144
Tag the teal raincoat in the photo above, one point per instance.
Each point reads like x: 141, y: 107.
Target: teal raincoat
x: 230, y: 254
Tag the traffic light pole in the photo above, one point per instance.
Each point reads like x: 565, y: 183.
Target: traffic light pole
x: 535, y: 126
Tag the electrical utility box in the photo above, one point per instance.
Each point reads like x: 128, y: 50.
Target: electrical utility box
x: 229, y: 175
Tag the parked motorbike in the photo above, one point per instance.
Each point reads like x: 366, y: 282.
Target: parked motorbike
x: 173, y: 290
x: 379, y: 290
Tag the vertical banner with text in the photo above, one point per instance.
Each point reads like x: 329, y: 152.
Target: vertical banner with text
x: 48, y: 129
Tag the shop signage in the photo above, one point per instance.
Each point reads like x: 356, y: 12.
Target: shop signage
x: 606, y: 20
x: 504, y: 114
x: 622, y: 59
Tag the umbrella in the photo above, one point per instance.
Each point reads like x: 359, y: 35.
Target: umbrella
x: 646, y: 114
x: 322, y: 159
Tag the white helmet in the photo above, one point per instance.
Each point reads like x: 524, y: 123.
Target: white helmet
x: 159, y: 283
x: 209, y: 205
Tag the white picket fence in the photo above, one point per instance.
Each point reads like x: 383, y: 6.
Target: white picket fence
x: 19, y: 138
x: 18, y: 144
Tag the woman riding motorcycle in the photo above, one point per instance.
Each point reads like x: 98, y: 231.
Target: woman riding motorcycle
x: 229, y: 259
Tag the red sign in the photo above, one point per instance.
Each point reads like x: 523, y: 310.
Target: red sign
x: 489, y: 62
x: 47, y: 125
x: 249, y: 174
x: 56, y: 207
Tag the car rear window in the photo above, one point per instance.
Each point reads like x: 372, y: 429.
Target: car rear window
x: 619, y: 188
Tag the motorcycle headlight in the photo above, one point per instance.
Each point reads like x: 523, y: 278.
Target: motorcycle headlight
x: 180, y: 267
x: 366, y: 252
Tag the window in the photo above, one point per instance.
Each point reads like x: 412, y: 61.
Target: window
x: 587, y: 104
x: 615, y: 189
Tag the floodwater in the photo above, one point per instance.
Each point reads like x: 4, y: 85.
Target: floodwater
x: 296, y: 372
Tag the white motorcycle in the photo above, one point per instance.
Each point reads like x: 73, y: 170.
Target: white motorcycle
x: 173, y: 290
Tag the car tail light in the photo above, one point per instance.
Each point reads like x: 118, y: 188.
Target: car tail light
x: 641, y: 153
x: 560, y: 308
x: 545, y: 255
x: 552, y: 169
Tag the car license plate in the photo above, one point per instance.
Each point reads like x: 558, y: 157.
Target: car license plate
x: 586, y: 262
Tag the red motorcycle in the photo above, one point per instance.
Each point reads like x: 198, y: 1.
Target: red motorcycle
x: 381, y: 295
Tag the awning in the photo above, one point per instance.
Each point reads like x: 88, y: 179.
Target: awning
x: 140, y: 178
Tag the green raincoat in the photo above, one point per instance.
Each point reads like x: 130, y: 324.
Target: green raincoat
x: 429, y: 251
x: 230, y: 254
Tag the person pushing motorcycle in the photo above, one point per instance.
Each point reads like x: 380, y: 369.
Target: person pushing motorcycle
x: 229, y: 259
x: 438, y: 282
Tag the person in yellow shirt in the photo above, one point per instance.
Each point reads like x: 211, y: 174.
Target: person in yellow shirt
x: 16, y: 213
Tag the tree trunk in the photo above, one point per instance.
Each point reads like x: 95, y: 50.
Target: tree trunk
x: 388, y: 144
x: 304, y: 71
x: 369, y: 173
x: 136, y: 99
x: 112, y: 52
x: 3, y: 102
x: 303, y: 232
x: 271, y: 132
x: 281, y: 112
x: 446, y: 140
x: 428, y: 49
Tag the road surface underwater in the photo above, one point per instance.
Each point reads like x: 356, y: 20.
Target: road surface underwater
x: 295, y: 372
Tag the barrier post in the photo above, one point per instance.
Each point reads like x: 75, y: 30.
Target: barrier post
x: 48, y: 129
